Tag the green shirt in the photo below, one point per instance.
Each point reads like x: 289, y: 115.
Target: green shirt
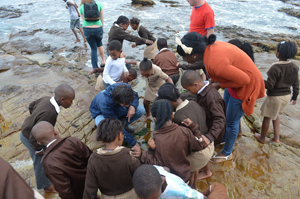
x: 90, y: 23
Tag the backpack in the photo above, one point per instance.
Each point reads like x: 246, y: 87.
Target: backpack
x: 91, y: 12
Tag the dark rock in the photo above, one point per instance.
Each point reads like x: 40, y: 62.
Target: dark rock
x: 291, y: 11
x: 10, y: 12
x: 143, y: 2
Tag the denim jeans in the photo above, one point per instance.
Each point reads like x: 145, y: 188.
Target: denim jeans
x: 140, y: 110
x: 94, y: 39
x: 234, y: 112
x: 41, y: 180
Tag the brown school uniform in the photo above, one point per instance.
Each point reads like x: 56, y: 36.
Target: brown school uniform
x: 118, y: 33
x: 40, y: 110
x: 150, y: 49
x: 12, y: 185
x: 167, y: 61
x: 111, y: 172
x: 215, y: 109
x: 65, y: 163
x: 173, y: 144
x: 157, y: 78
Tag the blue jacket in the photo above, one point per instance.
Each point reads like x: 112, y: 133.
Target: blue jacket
x: 103, y: 104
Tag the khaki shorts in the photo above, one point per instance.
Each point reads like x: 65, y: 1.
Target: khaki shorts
x: 200, y: 158
x: 273, y: 105
x: 129, y: 194
x: 150, y: 51
x: 150, y: 93
x: 99, y: 84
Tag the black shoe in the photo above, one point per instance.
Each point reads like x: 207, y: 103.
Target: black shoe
x: 130, y: 129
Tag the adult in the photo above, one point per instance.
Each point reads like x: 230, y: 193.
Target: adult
x: 121, y: 102
x: 233, y: 70
x: 93, y: 30
x: 117, y: 32
x: 44, y: 109
x: 190, y: 109
x: 202, y: 18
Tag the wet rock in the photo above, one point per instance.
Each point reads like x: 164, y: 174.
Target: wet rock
x: 10, y: 12
x: 291, y: 11
x: 143, y: 2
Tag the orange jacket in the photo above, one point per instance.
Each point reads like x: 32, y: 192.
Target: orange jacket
x: 227, y: 64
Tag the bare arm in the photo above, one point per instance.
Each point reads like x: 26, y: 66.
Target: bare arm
x: 210, y: 31
x: 102, y: 17
x: 170, y: 80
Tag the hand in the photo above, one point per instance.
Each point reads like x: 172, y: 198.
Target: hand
x: 293, y: 102
x: 205, y: 141
x: 136, y: 151
x: 148, y: 41
x: 177, y: 64
x: 40, y: 152
x: 216, y: 85
x: 91, y: 72
x: 130, y: 112
x: 151, y: 143
x: 122, y: 55
x: 133, y: 45
x: 187, y: 122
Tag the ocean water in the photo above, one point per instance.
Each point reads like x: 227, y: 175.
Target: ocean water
x: 164, y: 18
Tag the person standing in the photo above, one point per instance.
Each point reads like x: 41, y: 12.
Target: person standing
x: 202, y: 18
x: 93, y: 28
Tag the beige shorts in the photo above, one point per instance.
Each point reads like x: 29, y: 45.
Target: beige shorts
x: 99, y: 84
x: 200, y: 158
x: 273, y: 105
x: 129, y: 194
x: 150, y: 93
x: 150, y: 51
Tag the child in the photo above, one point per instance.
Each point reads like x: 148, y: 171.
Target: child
x: 212, y: 102
x: 75, y: 19
x: 166, y: 60
x: 111, y: 168
x: 154, y: 79
x: 281, y: 76
x: 115, y: 64
x: 190, y: 109
x: 150, y: 49
x: 44, y: 109
x: 65, y: 160
x: 156, y: 182
x: 131, y: 76
x: 173, y: 143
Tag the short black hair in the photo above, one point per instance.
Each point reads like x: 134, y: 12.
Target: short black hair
x: 132, y: 72
x: 123, y: 94
x: 287, y: 50
x: 162, y: 43
x: 108, y: 129
x: 169, y: 92
x: 134, y: 20
x: 162, y: 110
x: 122, y: 19
x: 246, y: 47
x: 189, y: 77
x: 146, y: 64
x: 115, y: 45
x: 146, y: 180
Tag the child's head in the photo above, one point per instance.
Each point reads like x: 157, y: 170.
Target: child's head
x: 162, y: 43
x: 147, y: 182
x: 286, y: 50
x: 146, y: 67
x: 64, y: 95
x: 110, y: 130
x: 132, y: 74
x: 246, y: 47
x: 192, y: 81
x: 134, y: 23
x: 115, y: 49
x: 123, y: 95
x: 44, y: 133
x: 123, y: 22
x: 162, y: 112
x: 169, y: 92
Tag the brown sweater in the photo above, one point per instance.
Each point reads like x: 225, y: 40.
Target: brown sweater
x: 173, y: 144
x: 281, y: 76
x: 40, y: 110
x: 65, y: 163
x: 193, y: 111
x: 215, y: 109
x: 12, y: 184
x: 144, y: 33
x: 111, y: 172
x: 118, y: 33
x: 167, y: 61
